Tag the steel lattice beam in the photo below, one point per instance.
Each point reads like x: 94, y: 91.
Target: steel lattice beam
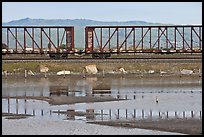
x: 179, y: 38
x: 34, y: 38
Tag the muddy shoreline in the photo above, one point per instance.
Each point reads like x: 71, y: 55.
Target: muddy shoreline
x: 109, y: 75
x: 186, y: 126
x: 190, y: 126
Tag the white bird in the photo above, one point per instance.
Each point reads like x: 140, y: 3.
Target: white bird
x: 162, y: 72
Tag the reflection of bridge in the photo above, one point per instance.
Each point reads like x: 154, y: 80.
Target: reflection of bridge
x: 102, y: 39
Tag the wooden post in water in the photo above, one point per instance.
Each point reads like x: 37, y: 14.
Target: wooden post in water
x: 16, y: 105
x: 200, y: 114
x: 134, y: 113
x: 150, y: 113
x: 25, y: 97
x: 5, y: 72
x: 192, y: 114
x: 143, y: 113
x: 126, y: 97
x: 118, y: 96
x: 16, y: 100
x: 45, y: 75
x: 64, y: 73
x: 109, y: 113
x: 183, y: 114
x: 118, y: 114
x: 101, y: 114
x: 126, y: 113
x: 141, y: 73
x: 103, y: 73
x: 83, y: 74
x: 41, y: 112
x: 25, y: 73
x: 33, y: 112
x: 58, y: 113
x: 199, y: 72
x: 14, y: 72
x: 8, y: 104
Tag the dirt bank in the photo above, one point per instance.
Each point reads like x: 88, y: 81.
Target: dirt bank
x: 140, y: 67
x: 186, y: 126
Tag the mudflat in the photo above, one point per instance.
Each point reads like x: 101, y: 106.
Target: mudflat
x: 185, y: 126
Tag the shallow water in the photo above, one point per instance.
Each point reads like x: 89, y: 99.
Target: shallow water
x: 178, y: 97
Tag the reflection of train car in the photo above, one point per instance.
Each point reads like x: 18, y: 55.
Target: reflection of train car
x: 101, y: 89
x: 58, y: 90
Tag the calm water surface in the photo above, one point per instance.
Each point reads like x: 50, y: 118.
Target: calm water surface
x: 177, y: 97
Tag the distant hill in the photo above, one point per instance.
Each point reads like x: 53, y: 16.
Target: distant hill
x: 79, y: 25
x: 72, y: 22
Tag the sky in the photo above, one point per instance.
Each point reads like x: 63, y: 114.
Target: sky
x: 155, y: 12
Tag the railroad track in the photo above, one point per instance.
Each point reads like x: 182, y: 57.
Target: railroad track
x: 114, y: 60
x: 118, y: 58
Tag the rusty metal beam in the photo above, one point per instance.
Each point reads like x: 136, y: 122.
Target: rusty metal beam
x: 24, y: 50
x: 142, y: 37
x: 58, y: 46
x: 111, y: 38
x: 200, y: 37
x: 195, y: 36
x: 159, y: 35
x: 33, y: 40
x: 191, y: 38
x: 42, y: 30
x: 182, y: 38
x: 162, y: 31
x: 166, y: 38
x: 126, y: 39
x: 15, y: 38
x: 7, y: 39
x: 118, y: 50
x: 170, y: 26
x: 31, y: 34
x: 62, y: 38
x: 101, y: 41
x: 150, y: 38
x: 175, y: 37
x: 37, y: 26
x: 134, y: 40
x: 96, y: 38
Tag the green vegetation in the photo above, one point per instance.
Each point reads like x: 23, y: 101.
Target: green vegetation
x: 78, y: 67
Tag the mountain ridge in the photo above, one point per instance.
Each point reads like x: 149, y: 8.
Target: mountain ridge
x: 73, y: 22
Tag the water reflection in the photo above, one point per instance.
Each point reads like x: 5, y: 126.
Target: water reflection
x: 180, y: 98
x: 42, y: 109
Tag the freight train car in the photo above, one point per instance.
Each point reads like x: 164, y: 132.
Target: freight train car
x: 101, y: 41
